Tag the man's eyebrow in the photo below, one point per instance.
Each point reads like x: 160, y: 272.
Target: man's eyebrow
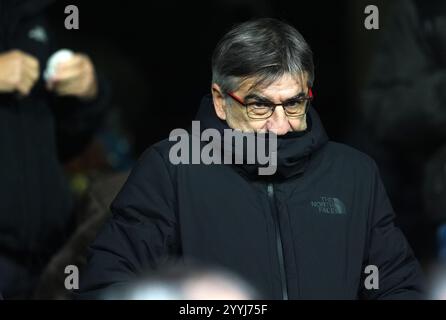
x: 261, y: 98
x: 298, y: 96
x: 257, y: 97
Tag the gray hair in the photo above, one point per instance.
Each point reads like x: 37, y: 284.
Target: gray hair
x: 263, y: 49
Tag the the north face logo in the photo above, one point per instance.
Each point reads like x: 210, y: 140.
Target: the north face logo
x: 329, y: 205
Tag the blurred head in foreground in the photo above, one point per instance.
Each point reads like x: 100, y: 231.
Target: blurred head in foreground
x: 185, y: 284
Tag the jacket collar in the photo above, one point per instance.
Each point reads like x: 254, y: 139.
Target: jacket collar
x: 293, y: 149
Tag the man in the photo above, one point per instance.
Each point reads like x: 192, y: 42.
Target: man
x: 35, y: 206
x: 309, y: 231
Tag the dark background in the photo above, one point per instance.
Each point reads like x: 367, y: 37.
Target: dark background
x: 157, y: 55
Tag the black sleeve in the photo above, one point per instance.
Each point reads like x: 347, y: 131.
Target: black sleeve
x: 142, y: 233
x: 400, y: 275
x: 77, y: 120
x: 404, y: 101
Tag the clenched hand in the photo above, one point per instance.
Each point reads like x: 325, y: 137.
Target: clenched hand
x: 75, y: 77
x: 19, y: 72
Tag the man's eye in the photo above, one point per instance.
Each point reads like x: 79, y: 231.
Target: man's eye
x: 295, y: 103
x: 296, y: 107
x: 261, y: 105
x: 259, y: 109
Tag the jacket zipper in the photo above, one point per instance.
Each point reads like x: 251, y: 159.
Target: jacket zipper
x: 279, y: 244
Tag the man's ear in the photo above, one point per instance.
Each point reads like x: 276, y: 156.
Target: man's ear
x: 219, y: 101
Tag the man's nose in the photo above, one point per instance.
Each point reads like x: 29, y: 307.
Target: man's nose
x: 278, y: 122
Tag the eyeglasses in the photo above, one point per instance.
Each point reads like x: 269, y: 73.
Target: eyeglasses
x: 294, y: 108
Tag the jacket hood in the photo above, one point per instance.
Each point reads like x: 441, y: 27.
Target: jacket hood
x: 293, y: 149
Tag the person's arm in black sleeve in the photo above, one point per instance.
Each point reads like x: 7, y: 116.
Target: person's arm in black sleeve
x: 399, y: 273
x: 78, y: 120
x: 404, y: 101
x: 142, y: 233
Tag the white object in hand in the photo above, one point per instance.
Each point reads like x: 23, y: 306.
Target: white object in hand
x: 56, y: 58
